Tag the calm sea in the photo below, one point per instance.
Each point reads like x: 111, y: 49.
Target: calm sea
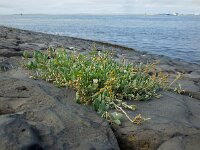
x: 173, y: 36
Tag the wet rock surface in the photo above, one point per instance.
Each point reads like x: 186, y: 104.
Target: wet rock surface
x: 37, y: 115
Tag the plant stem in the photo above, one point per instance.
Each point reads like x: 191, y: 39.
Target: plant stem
x: 122, y: 111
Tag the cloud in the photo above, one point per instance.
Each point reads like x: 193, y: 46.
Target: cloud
x: 5, y: 6
x: 97, y: 6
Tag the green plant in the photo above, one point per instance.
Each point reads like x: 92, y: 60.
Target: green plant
x: 99, y: 80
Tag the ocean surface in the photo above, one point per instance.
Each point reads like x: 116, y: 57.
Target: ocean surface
x: 173, y: 36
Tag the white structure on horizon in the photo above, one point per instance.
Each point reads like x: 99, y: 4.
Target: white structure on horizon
x: 175, y: 14
x: 197, y: 14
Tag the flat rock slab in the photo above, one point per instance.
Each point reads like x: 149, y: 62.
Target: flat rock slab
x: 174, y: 124
x: 36, y: 115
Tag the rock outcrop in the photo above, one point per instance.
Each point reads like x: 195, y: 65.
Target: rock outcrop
x: 174, y: 124
x: 37, y: 115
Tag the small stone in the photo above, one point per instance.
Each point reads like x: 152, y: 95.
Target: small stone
x: 22, y: 88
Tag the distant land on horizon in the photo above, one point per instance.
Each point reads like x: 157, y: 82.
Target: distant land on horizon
x: 115, y: 14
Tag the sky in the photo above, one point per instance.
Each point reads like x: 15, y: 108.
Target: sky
x: 98, y: 6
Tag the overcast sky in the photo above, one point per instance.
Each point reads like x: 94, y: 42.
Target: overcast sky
x: 98, y: 6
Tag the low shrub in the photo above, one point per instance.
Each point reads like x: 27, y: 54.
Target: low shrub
x: 100, y: 81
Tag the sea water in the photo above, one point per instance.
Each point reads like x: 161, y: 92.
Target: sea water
x: 173, y: 36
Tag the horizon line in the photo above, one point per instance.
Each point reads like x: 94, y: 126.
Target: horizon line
x: 101, y: 13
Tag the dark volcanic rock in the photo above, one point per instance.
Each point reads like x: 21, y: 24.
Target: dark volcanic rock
x: 33, y: 115
x: 9, y: 44
x: 18, y: 134
x: 10, y: 53
x: 9, y: 63
x: 32, y: 46
x: 174, y: 124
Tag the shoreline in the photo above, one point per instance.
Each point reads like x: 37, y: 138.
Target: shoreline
x: 103, y: 44
x: 108, y: 44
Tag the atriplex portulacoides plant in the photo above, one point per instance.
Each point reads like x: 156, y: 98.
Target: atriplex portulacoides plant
x: 99, y: 80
